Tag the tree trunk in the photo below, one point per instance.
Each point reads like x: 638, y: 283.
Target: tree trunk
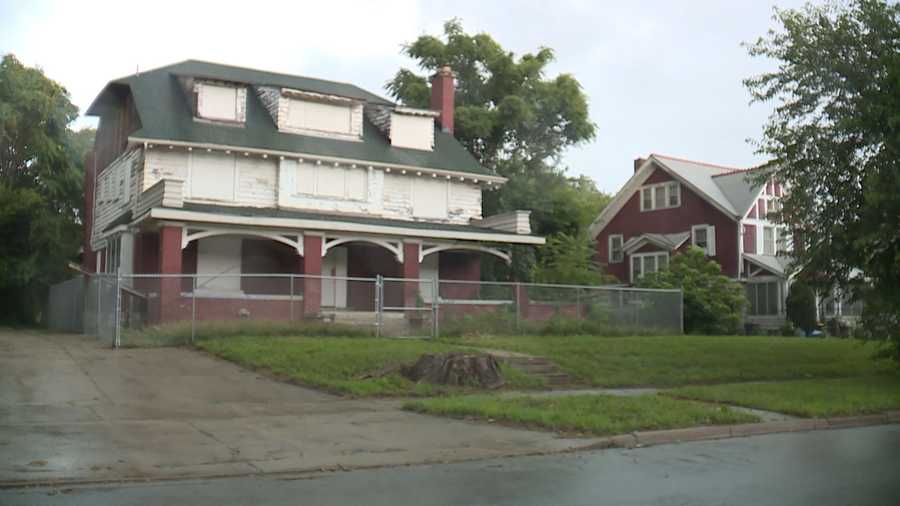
x: 459, y: 369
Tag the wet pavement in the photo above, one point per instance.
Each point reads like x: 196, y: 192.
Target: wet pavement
x: 72, y: 410
x: 855, y: 467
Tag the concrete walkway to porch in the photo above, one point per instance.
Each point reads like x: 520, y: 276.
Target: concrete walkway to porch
x: 72, y: 410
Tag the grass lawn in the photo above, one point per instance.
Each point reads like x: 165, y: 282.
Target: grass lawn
x: 333, y: 363
x: 809, y: 398
x: 683, y: 360
x: 587, y: 414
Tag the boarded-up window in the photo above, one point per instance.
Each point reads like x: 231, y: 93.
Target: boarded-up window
x: 357, y: 182
x: 217, y: 102
x: 212, y: 176
x: 319, y: 116
x: 331, y: 181
x: 306, y: 178
x: 416, y: 132
x: 430, y: 198
x: 334, y: 182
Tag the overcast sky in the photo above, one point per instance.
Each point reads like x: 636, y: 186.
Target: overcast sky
x: 661, y: 76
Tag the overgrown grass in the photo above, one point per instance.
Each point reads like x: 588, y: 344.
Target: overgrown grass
x: 682, y: 360
x: 809, y: 398
x: 179, y: 333
x: 587, y: 414
x: 334, y: 363
x: 495, y: 323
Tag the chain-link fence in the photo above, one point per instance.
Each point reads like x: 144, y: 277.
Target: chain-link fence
x: 150, y: 310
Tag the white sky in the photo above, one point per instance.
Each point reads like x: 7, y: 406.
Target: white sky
x: 661, y: 76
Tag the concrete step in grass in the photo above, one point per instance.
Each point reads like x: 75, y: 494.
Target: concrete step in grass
x: 540, y: 367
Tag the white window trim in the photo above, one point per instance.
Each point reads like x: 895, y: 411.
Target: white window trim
x: 609, y: 246
x: 774, y: 230
x: 710, y: 249
x: 641, y: 256
x: 653, y: 188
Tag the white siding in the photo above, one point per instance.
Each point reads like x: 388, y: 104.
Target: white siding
x: 257, y: 181
x: 415, y: 132
x: 398, y: 195
x: 465, y: 202
x: 116, y: 191
x: 226, y: 178
x: 164, y: 163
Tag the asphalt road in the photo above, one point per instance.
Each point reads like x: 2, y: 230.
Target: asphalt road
x: 855, y: 467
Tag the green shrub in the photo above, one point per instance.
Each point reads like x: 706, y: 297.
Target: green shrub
x: 712, y: 301
x: 801, y: 307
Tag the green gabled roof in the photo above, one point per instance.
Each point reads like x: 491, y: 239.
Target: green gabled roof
x: 165, y: 115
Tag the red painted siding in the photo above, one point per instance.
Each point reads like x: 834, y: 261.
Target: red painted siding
x: 694, y: 210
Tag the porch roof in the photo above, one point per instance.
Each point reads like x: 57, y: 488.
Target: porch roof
x: 668, y: 242
x: 296, y: 219
x: 777, y: 265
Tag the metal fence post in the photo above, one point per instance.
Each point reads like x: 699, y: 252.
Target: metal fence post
x: 97, y: 286
x: 193, y: 307
x: 578, y: 303
x: 379, y: 304
x: 517, y: 289
x: 435, y: 307
x: 291, y: 299
x: 681, y: 310
x: 117, y: 337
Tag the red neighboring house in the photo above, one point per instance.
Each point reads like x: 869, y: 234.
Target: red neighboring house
x: 671, y: 203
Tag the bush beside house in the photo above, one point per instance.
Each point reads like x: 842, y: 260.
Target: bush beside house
x: 712, y: 301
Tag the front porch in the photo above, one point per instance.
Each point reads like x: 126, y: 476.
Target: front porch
x: 767, y: 284
x: 221, y: 273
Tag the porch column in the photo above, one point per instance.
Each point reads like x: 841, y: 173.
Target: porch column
x: 312, y: 266
x: 169, y: 263
x: 410, y: 271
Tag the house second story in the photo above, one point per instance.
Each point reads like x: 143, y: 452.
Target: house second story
x: 201, y: 136
x: 670, y: 203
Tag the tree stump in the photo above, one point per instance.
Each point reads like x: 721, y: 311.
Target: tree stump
x: 459, y: 369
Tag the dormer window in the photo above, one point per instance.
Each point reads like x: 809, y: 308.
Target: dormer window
x: 220, y: 102
x: 309, y: 113
x: 405, y: 127
x: 319, y: 116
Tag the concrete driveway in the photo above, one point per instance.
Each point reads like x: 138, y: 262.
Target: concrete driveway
x: 72, y: 410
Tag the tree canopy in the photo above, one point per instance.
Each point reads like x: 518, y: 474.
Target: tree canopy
x: 834, y: 138
x: 41, y: 174
x: 516, y: 121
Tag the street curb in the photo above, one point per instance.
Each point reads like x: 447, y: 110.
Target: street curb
x: 711, y: 432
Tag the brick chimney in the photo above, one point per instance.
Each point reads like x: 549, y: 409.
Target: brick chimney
x: 442, y: 97
x: 638, y: 162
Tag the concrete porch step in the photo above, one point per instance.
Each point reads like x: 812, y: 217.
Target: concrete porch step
x: 539, y: 367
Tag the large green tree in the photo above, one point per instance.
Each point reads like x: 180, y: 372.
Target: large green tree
x: 41, y: 172
x: 834, y: 137
x: 516, y: 121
